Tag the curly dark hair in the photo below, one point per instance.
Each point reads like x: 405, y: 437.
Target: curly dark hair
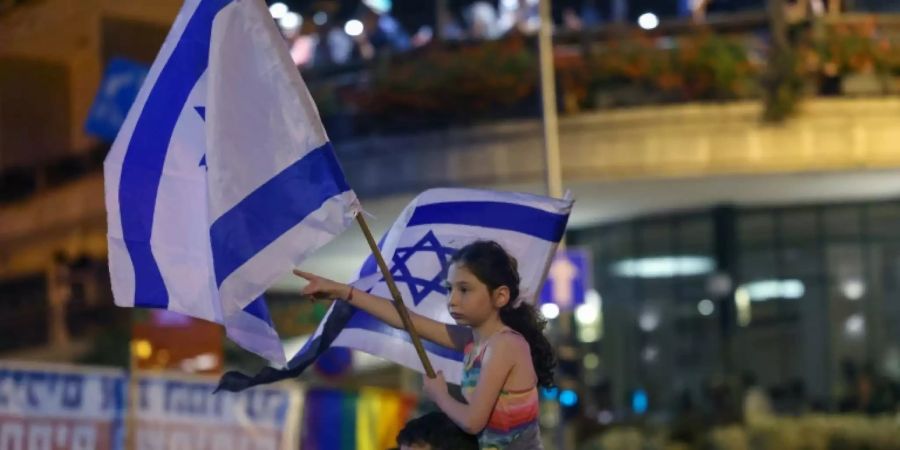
x: 438, y: 431
x: 494, y: 267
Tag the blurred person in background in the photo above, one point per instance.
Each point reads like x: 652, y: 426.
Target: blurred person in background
x: 881, y: 396
x: 382, y: 33
x: 339, y: 48
x: 303, y: 47
x: 757, y: 406
x: 798, y: 404
x: 722, y: 408
x: 483, y: 21
x: 688, y: 425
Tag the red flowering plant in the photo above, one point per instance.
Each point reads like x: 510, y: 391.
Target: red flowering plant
x: 856, y: 47
x: 714, y: 67
x: 465, y: 82
x: 701, y: 66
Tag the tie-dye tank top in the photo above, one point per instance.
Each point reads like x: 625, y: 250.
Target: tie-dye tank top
x: 513, y: 423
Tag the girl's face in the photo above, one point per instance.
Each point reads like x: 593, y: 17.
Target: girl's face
x: 471, y: 303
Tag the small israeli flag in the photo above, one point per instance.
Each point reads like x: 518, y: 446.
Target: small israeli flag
x: 419, y: 246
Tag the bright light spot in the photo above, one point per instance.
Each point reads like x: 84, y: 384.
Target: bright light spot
x: 649, y: 320
x: 639, y: 401
x: 200, y: 363
x: 353, y: 27
x: 587, y: 313
x: 379, y: 6
x: 206, y: 361
x: 278, y: 10
x: 590, y: 317
x: 568, y: 397
x: 650, y: 354
x: 142, y: 348
x: 706, y: 307
x: 664, y: 266
x: 320, y: 18
x: 591, y: 361
x: 854, y: 289
x: 593, y: 297
x: 855, y: 326
x: 742, y: 303
x: 550, y: 310
x: 648, y: 21
x: 509, y: 5
x: 605, y: 417
x: 290, y: 21
x: 763, y: 290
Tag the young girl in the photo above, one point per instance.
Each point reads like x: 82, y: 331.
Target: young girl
x: 507, y: 357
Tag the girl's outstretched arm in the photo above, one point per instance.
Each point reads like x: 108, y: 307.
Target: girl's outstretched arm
x: 496, y: 365
x: 446, y: 335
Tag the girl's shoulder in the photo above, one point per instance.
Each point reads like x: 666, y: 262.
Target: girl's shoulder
x: 509, y: 341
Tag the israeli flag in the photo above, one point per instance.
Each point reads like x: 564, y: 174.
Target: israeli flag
x: 419, y: 246
x: 222, y: 177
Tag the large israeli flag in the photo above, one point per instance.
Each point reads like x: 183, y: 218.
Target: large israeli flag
x: 419, y: 246
x: 222, y: 177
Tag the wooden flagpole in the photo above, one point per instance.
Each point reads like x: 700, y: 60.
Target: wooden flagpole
x: 132, y: 396
x: 395, y: 293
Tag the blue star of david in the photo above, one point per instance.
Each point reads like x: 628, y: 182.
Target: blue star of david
x: 202, y: 111
x: 421, y: 288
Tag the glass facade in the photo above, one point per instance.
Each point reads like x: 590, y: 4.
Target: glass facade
x: 791, y: 294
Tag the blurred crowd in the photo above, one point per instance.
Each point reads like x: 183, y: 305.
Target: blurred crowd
x: 326, y: 35
x: 373, y: 30
x: 864, y: 390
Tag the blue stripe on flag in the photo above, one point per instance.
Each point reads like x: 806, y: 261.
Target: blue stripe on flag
x: 361, y: 320
x: 341, y: 313
x: 143, y: 163
x: 257, y: 308
x: 505, y: 216
x: 274, y: 208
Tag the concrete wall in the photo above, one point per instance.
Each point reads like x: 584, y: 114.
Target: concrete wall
x: 691, y: 140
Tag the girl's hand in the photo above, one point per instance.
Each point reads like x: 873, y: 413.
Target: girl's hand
x: 435, y: 388
x: 322, y: 288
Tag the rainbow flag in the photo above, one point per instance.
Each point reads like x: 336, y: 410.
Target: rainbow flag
x: 368, y: 419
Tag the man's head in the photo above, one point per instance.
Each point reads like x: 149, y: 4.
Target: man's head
x: 435, y: 431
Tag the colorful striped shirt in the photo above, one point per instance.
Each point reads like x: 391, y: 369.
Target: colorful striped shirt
x: 513, y: 423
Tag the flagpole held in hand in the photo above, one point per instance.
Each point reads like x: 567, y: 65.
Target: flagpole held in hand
x: 131, y: 399
x: 395, y: 293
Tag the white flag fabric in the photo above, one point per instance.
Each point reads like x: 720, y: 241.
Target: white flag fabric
x: 222, y: 177
x: 419, y: 246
